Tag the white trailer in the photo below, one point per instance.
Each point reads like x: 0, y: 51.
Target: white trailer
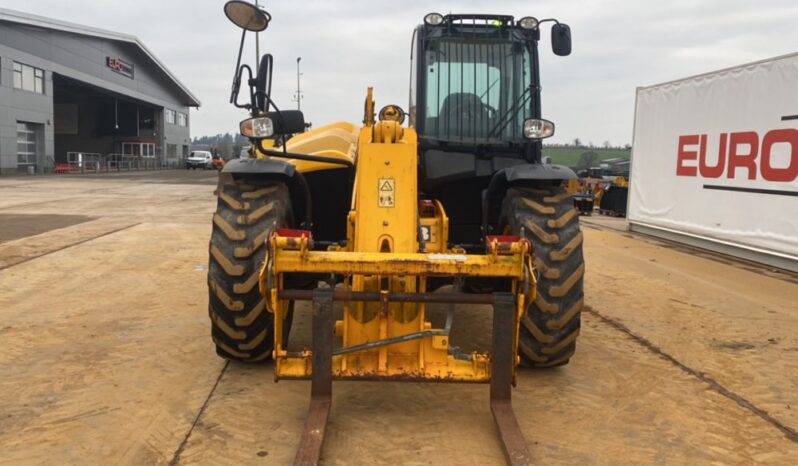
x: 715, y: 161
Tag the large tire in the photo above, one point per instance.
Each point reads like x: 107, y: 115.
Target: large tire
x: 246, y: 212
x: 547, y: 217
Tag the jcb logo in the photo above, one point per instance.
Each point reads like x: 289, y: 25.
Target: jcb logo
x: 740, y: 155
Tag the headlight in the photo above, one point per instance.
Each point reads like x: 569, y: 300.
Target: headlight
x: 433, y: 19
x: 257, y: 128
x: 528, y: 22
x: 538, y: 129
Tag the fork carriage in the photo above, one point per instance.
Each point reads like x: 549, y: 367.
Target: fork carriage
x: 384, y: 332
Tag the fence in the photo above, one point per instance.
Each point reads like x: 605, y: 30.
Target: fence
x: 89, y: 162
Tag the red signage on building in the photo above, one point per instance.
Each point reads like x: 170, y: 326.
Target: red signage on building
x: 122, y: 67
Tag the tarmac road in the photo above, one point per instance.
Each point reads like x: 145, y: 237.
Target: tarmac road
x: 106, y: 358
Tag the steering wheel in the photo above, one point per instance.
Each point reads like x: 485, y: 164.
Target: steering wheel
x: 472, y: 109
x: 462, y: 110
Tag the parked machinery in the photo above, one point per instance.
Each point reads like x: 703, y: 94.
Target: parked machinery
x: 582, y: 195
x: 380, y: 216
x: 614, y: 196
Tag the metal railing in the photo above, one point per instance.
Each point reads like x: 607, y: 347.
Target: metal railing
x: 92, y: 162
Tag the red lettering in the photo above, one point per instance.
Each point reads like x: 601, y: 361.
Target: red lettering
x: 790, y: 173
x: 739, y: 157
x: 684, y: 155
x: 717, y: 170
x: 739, y: 160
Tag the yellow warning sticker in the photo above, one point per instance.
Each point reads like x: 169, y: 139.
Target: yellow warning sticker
x: 386, y: 192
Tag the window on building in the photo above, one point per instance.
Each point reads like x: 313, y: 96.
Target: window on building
x: 38, y: 81
x: 17, y: 75
x: 28, y: 78
x: 139, y: 149
x: 169, y: 116
x: 171, y: 151
x: 182, y: 119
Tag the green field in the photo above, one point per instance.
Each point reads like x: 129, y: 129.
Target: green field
x: 570, y: 156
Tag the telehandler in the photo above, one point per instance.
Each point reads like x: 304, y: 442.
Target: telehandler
x: 379, y: 217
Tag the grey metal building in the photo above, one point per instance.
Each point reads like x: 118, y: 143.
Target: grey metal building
x: 70, y: 92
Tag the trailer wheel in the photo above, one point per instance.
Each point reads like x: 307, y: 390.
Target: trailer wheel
x: 547, y: 217
x: 246, y: 212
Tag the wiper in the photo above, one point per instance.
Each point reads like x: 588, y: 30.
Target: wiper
x: 488, y: 89
x: 510, y: 114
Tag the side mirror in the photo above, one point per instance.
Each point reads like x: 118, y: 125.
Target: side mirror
x: 273, y: 123
x: 561, y: 39
x: 263, y: 83
x: 246, y: 15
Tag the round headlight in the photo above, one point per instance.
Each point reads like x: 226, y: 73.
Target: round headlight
x: 433, y: 19
x: 528, y: 22
x: 392, y: 113
x: 538, y: 129
x: 257, y: 128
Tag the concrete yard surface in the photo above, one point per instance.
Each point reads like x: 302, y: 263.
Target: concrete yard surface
x: 684, y: 357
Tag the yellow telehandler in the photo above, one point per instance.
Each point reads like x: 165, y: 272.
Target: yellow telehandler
x: 378, y: 217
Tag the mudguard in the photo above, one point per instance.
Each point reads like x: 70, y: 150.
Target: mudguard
x: 522, y: 174
x: 259, y: 167
x: 301, y: 201
x: 530, y: 171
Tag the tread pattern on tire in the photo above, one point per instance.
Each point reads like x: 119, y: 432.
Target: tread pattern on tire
x: 549, y: 220
x: 241, y: 327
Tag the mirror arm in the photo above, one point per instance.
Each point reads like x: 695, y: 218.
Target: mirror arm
x: 237, y: 72
x: 253, y: 103
x: 234, y: 98
x: 268, y: 101
x: 548, y: 20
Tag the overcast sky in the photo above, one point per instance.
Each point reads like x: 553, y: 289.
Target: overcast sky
x: 348, y: 45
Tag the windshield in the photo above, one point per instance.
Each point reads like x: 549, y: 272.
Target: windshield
x: 477, y: 90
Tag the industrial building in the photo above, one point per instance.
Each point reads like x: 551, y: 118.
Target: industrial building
x: 74, y: 93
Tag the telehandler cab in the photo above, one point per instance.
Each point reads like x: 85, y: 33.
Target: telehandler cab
x: 381, y: 216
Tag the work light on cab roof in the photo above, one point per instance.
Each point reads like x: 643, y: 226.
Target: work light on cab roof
x: 528, y: 22
x: 433, y: 19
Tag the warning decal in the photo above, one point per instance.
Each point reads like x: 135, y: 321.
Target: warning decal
x: 386, y: 193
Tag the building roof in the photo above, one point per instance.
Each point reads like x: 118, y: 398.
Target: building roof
x: 19, y: 17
